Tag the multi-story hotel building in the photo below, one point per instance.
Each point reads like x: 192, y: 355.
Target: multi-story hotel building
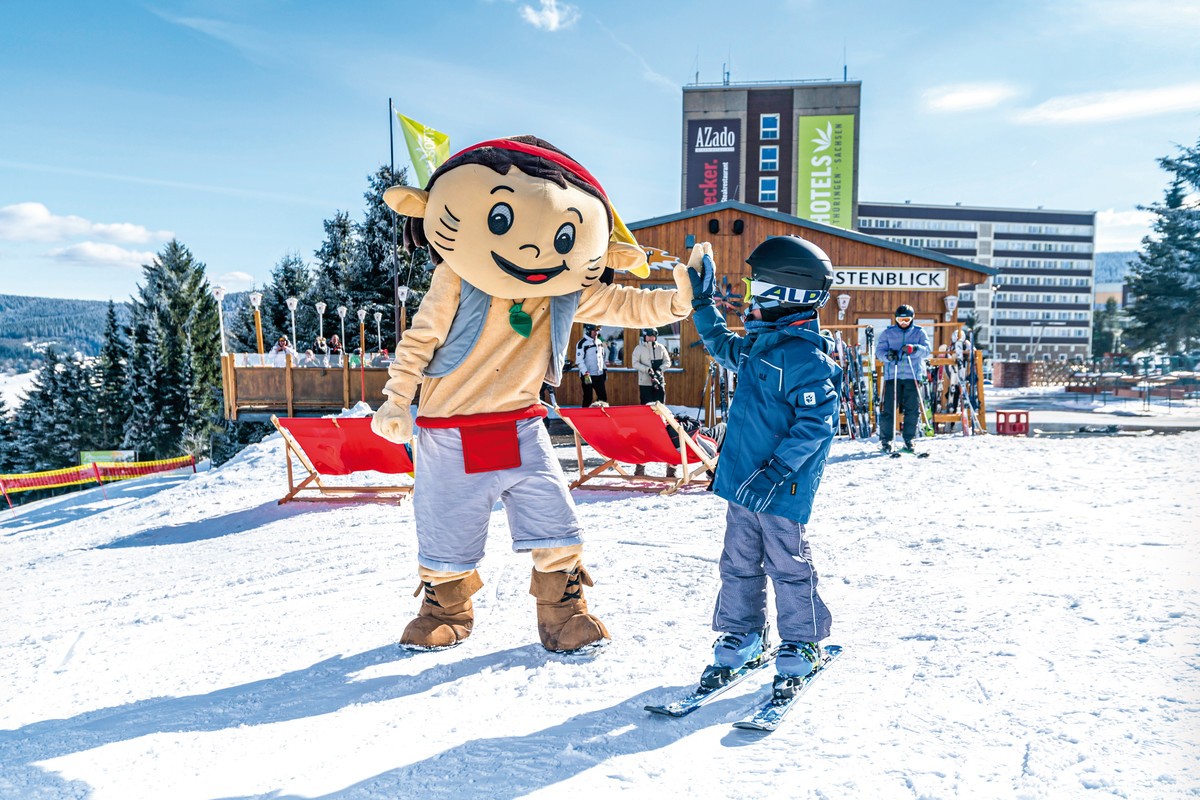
x: 787, y: 146
x: 1039, y: 306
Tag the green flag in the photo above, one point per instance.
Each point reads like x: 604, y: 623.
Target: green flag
x: 426, y: 147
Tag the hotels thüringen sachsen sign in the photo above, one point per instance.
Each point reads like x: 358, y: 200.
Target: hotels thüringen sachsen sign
x: 877, y: 278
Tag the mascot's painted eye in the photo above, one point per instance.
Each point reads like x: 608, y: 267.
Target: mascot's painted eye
x: 500, y: 218
x: 564, y: 240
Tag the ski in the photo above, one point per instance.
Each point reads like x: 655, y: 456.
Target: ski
x: 771, y: 713
x: 698, y: 697
x: 899, y: 453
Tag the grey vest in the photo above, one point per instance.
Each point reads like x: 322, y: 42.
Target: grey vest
x: 473, y: 305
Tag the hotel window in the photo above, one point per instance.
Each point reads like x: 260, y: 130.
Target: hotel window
x: 768, y: 158
x: 768, y: 190
x: 768, y: 126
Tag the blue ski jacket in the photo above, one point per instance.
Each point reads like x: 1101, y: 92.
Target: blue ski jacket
x: 893, y: 339
x: 786, y: 406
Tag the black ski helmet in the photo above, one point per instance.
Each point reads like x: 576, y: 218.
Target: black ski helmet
x: 788, y: 275
x: 649, y: 332
x: 905, y: 310
x: 590, y: 328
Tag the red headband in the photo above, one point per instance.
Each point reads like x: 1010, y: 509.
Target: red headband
x: 572, y: 166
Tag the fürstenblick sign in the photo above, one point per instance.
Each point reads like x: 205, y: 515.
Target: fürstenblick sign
x: 918, y: 280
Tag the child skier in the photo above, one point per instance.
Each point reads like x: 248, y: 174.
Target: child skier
x: 781, y: 423
x: 903, y: 348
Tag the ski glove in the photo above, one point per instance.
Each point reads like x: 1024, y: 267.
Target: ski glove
x: 909, y: 349
x: 587, y: 379
x: 756, y: 492
x: 703, y: 281
x: 892, y: 355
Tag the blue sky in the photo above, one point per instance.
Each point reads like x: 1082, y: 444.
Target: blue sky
x: 238, y: 126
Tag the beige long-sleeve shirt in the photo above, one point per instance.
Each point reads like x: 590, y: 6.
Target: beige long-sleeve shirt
x: 504, y: 372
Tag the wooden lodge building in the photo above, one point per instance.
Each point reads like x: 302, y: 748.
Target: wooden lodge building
x: 873, y: 277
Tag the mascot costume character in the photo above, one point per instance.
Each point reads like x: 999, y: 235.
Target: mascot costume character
x: 519, y: 236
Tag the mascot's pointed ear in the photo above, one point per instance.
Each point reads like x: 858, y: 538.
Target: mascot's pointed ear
x: 406, y: 201
x: 628, y: 257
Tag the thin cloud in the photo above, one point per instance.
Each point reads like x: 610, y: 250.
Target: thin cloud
x: 648, y: 72
x: 235, y: 281
x: 551, y: 15
x: 968, y: 96
x: 99, y: 254
x: 251, y: 44
x: 33, y: 222
x: 1111, y: 106
x: 1121, y: 230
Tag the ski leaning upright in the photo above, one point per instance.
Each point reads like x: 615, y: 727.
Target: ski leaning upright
x: 772, y: 712
x: 702, y: 695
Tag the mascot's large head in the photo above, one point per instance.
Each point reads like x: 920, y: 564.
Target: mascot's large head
x: 515, y: 217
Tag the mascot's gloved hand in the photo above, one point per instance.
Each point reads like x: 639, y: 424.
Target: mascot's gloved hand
x: 702, y: 277
x: 756, y: 492
x: 393, y: 421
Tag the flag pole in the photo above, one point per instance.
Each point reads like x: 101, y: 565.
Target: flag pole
x: 397, y: 307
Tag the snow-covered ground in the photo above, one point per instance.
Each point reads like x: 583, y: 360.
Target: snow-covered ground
x: 1020, y: 617
x: 1059, y: 399
x: 14, y: 387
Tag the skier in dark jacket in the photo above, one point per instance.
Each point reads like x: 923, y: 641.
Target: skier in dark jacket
x: 903, y: 348
x: 781, y: 424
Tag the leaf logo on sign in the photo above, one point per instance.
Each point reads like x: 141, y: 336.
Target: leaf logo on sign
x: 824, y: 138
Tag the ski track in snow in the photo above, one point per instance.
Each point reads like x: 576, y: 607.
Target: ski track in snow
x: 1019, y: 616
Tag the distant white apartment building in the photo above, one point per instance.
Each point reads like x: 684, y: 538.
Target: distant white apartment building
x: 1040, y: 304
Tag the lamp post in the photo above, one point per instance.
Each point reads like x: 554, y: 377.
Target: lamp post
x: 378, y: 336
x: 256, y: 301
x: 993, y: 302
x: 291, y: 304
x: 320, y: 306
x: 1032, y: 325
x: 951, y: 303
x: 218, y: 293
x: 843, y: 301
x: 342, y: 315
x: 362, y: 354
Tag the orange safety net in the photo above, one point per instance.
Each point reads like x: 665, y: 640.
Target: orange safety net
x: 103, y: 471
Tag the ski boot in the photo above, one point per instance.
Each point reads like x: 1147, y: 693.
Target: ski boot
x: 909, y: 449
x: 733, y: 653
x: 794, y: 662
x: 885, y: 447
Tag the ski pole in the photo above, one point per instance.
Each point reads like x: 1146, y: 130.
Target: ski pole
x: 920, y: 400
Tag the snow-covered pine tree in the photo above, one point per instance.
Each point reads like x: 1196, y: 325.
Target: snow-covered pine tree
x: 111, y: 378
x: 8, y: 439
x: 33, y: 423
x: 335, y: 258
x: 291, y: 277
x: 174, y: 372
x: 143, y: 426
x: 1164, y: 281
x: 376, y: 259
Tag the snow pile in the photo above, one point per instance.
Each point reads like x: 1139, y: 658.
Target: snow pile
x: 1020, y: 618
x: 13, y: 387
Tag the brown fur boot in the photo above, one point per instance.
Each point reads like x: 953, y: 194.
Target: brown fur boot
x: 446, y: 614
x: 564, y: 623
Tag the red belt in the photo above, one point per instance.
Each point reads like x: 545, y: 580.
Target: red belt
x: 489, y: 441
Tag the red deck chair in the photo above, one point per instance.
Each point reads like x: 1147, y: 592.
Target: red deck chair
x: 340, y: 446
x: 635, y: 435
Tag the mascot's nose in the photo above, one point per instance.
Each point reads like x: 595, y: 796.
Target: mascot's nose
x: 537, y: 250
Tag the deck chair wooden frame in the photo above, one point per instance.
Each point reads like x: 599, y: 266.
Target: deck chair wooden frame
x: 692, y: 464
x: 313, y: 484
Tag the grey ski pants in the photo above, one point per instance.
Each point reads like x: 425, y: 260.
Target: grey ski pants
x: 758, y: 546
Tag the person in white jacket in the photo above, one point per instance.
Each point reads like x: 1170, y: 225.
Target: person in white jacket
x: 650, y: 359
x: 589, y: 358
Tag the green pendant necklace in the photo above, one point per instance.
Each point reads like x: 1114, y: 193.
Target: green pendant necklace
x: 518, y: 320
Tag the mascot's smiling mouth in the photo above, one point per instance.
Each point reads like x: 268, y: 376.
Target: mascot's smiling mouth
x: 527, y: 275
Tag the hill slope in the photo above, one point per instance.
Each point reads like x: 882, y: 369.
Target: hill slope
x: 1020, y: 620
